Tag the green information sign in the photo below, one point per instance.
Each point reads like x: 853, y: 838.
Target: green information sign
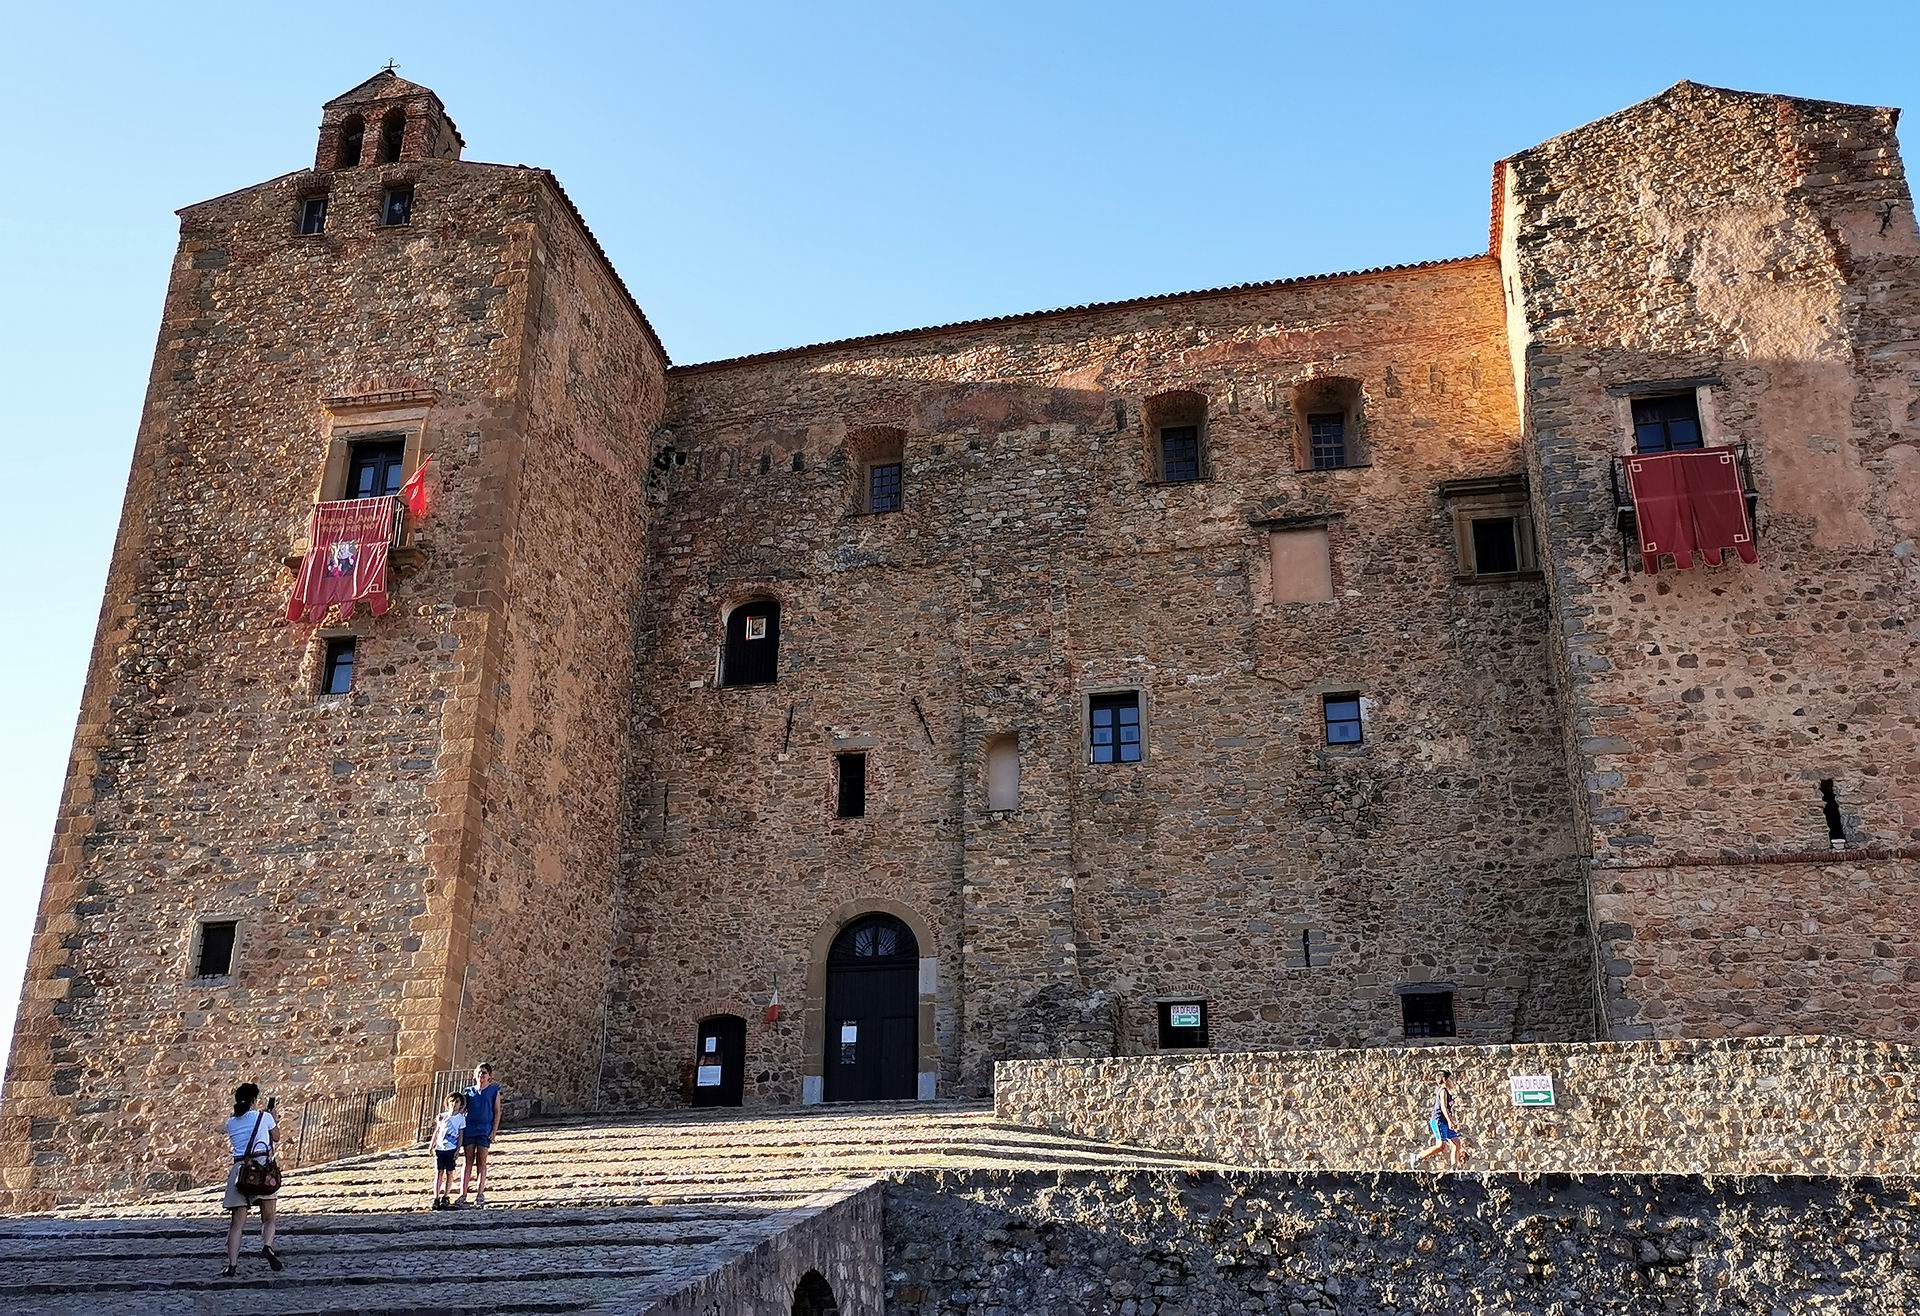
x: 1531, y: 1089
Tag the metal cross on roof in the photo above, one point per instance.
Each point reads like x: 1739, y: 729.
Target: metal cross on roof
x: 391, y: 66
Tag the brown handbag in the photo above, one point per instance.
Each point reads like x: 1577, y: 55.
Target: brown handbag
x: 258, y: 1178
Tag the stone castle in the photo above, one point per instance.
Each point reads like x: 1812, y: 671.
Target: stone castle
x: 1309, y: 663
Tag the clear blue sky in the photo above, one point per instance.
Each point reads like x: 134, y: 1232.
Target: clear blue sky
x: 771, y: 175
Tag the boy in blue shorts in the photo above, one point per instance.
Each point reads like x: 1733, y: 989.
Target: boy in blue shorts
x: 1440, y: 1123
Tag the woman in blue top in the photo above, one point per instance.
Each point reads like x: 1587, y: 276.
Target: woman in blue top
x: 483, y: 1121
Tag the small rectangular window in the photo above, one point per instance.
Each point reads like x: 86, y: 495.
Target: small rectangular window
x: 1343, y: 718
x: 336, y: 666
x: 1180, y: 453
x: 1496, y: 545
x: 1666, y: 424
x: 213, y: 950
x: 396, y: 206
x: 1327, y: 439
x: 313, y: 215
x: 853, y: 785
x: 1113, y: 727
x: 1426, y: 1014
x: 1183, y: 1025
x: 883, y: 487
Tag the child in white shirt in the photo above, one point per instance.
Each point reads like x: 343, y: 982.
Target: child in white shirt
x: 446, y: 1149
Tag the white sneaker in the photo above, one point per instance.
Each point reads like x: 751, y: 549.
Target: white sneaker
x: 480, y: 1201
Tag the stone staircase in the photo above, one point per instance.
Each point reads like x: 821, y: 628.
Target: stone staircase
x: 615, y: 1213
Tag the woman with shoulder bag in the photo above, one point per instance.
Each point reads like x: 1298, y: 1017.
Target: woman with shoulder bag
x: 255, y: 1177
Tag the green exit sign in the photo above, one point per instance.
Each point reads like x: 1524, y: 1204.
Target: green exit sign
x: 1531, y: 1089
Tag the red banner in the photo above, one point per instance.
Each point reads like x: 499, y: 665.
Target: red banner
x: 1688, y: 503
x: 346, y: 559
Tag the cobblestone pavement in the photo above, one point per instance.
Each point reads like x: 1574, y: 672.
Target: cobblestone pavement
x: 580, y: 1212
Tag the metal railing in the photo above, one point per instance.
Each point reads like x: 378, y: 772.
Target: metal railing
x: 333, y: 1128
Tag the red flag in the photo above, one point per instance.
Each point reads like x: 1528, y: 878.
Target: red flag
x: 346, y: 559
x: 414, y: 492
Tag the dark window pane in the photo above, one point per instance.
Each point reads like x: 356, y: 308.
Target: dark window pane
x: 398, y: 207
x: 336, y: 676
x: 1180, y: 452
x: 1114, y: 727
x: 883, y: 488
x: 216, y: 950
x: 1666, y: 424
x: 313, y: 214
x: 752, y: 653
x: 1327, y: 437
x: 1495, y: 546
x: 373, y: 468
x: 1427, y: 1014
x: 853, y: 786
x: 1343, y: 719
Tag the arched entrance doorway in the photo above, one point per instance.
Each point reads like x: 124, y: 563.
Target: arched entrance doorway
x: 873, y: 1007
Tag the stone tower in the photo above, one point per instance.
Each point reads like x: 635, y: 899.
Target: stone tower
x: 1742, y: 739
x: 418, y: 872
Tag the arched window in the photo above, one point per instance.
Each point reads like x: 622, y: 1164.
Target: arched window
x: 878, y: 453
x: 1003, y: 773
x: 813, y: 1296
x: 1176, y: 424
x: 1329, y: 425
x: 393, y: 130
x: 353, y: 133
x: 752, y: 652
x: 873, y: 939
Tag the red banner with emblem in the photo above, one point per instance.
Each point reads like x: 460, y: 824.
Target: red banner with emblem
x: 1688, y: 503
x: 346, y: 560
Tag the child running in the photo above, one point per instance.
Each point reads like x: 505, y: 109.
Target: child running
x: 1440, y: 1124
x: 446, y: 1149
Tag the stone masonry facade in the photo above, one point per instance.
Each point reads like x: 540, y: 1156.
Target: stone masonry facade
x: 548, y: 828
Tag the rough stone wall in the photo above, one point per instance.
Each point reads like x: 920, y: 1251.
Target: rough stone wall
x: 842, y: 1243
x: 1767, y: 245
x: 1036, y: 559
x: 550, y: 795
x: 1775, y: 1105
x: 1167, y: 1244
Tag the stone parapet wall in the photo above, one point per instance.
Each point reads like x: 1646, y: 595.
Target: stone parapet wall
x: 1765, y: 1105
x: 1157, y: 1243
x: 841, y: 1243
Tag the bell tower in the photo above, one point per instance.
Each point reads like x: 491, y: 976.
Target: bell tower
x: 385, y: 120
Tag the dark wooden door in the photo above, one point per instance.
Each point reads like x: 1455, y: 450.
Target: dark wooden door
x: 873, y: 1011
x: 721, y: 1057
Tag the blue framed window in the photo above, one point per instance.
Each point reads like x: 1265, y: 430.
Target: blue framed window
x: 1113, y: 727
x: 1342, y: 713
